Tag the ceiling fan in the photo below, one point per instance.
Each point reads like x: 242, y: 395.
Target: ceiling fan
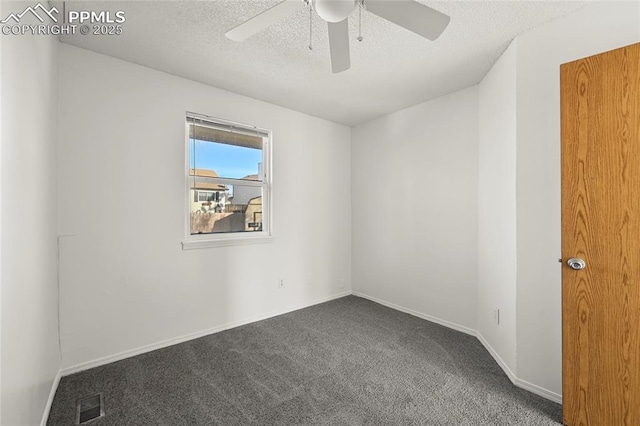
x: 409, y: 14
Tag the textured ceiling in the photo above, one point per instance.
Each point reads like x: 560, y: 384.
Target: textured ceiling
x: 391, y: 68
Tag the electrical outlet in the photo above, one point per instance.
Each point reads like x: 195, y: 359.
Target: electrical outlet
x: 496, y: 316
x: 281, y: 283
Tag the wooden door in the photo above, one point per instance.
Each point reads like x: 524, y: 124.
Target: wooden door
x: 600, y: 103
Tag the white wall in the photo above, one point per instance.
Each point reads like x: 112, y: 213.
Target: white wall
x: 30, y: 353
x: 125, y: 281
x: 497, y: 208
x: 415, y: 208
x: 594, y: 29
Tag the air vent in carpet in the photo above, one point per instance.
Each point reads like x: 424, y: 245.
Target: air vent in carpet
x: 89, y: 408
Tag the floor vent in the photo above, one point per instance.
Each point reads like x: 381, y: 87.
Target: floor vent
x: 89, y: 408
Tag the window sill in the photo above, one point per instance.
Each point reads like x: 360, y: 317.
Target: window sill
x: 226, y: 241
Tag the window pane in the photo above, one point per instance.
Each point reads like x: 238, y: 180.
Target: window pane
x: 226, y: 160
x: 208, y: 196
x: 235, y: 208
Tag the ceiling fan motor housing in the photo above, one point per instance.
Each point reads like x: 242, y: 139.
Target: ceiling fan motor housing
x: 334, y: 10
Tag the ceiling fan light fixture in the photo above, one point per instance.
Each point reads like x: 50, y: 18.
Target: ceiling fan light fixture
x: 334, y: 10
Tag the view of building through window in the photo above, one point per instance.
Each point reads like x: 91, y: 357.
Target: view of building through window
x: 226, y: 180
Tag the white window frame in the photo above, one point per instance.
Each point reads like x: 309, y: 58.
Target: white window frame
x: 232, y: 238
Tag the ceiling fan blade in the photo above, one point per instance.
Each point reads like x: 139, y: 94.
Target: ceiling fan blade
x: 339, y: 46
x: 264, y: 19
x: 416, y: 17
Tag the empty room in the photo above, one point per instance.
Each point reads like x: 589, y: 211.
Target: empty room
x: 323, y: 212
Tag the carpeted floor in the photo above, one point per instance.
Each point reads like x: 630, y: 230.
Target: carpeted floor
x: 345, y: 362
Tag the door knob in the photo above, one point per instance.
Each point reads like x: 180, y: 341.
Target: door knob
x: 576, y: 263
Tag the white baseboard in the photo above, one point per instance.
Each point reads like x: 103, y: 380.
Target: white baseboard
x: 445, y: 323
x: 497, y: 358
x: 170, y: 342
x: 52, y: 394
x: 538, y: 390
x: 545, y: 393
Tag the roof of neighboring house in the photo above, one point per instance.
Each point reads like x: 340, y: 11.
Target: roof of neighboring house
x: 251, y: 177
x: 203, y: 172
x: 208, y: 186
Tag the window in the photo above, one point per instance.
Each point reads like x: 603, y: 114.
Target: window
x: 227, y: 180
x: 208, y: 196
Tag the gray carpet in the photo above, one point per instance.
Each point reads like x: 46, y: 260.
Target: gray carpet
x: 345, y: 362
